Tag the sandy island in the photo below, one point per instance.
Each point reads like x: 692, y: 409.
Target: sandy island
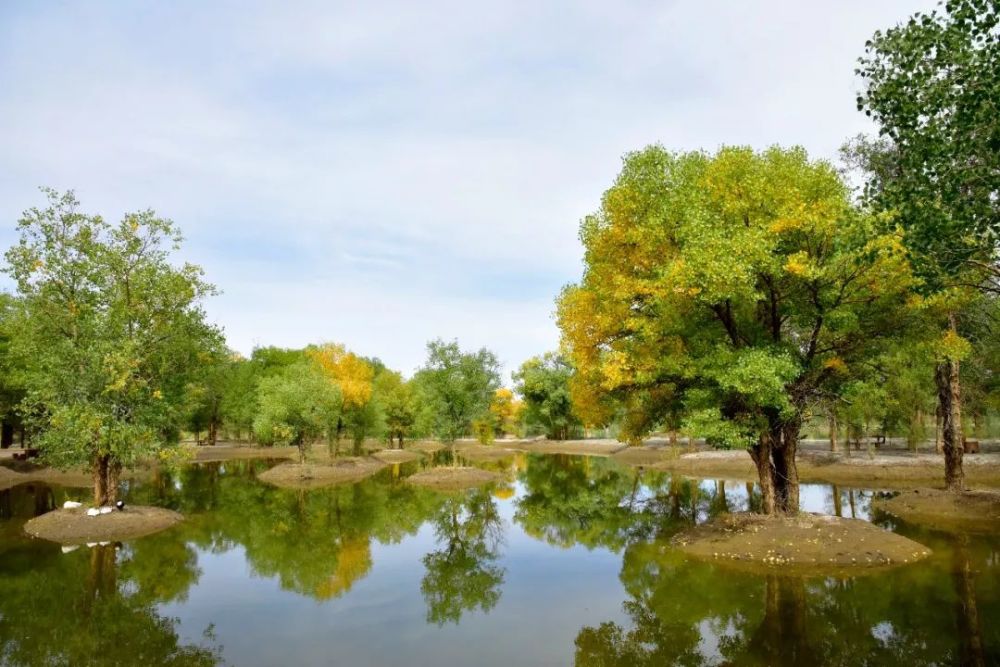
x: 313, y: 475
x: 971, y: 511
x: 73, y: 526
x: 397, y: 455
x: 453, y: 478
x: 803, y: 544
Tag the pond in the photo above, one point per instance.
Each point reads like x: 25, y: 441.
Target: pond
x: 566, y: 562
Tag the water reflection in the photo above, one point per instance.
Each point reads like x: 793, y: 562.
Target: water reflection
x: 462, y: 572
x: 95, y: 606
x: 462, y: 558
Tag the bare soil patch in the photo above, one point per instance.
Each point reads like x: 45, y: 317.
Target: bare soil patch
x: 484, y: 452
x: 646, y: 455
x: 971, y: 511
x: 73, y: 526
x: 313, y: 475
x: 801, y: 544
x: 897, y: 470
x: 397, y: 455
x: 453, y: 478
x: 10, y: 478
x: 218, y: 453
x: 425, y: 446
x: 575, y: 447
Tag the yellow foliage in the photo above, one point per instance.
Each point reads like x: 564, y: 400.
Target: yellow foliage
x: 352, y: 374
x: 836, y: 364
x: 353, y: 562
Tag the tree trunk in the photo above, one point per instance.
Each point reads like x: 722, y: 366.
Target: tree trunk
x: 400, y: 438
x: 967, y: 611
x: 761, y: 455
x: 100, y: 470
x: 774, y: 458
x: 786, y: 472
x: 949, y: 400
x: 938, y: 443
x: 213, y: 430
x: 838, y: 505
x: 833, y: 430
x: 6, y: 434
x: 106, y: 473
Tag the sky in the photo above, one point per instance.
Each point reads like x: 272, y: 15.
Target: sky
x: 385, y: 173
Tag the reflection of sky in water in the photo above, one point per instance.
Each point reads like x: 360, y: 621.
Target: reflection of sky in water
x: 381, y: 619
x: 549, y: 595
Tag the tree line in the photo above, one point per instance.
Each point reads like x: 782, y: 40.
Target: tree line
x: 737, y: 295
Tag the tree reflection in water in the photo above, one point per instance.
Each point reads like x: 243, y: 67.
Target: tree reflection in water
x: 462, y: 574
x: 95, y: 606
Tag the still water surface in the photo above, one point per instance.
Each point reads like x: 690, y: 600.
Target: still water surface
x: 565, y: 563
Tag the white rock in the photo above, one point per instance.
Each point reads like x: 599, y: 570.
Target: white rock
x: 93, y: 511
x: 107, y: 510
x: 71, y: 505
x: 91, y: 545
x: 70, y: 547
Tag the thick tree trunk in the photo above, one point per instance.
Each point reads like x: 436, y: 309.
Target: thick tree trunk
x: 107, y: 474
x: 946, y: 377
x: 100, y: 470
x: 774, y: 458
x: 761, y: 455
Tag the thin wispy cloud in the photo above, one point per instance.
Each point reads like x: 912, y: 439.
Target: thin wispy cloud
x: 384, y: 173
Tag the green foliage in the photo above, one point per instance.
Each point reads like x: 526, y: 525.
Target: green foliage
x: 296, y: 405
x: 731, y: 291
x: 455, y: 387
x: 931, y: 84
x: 108, y: 332
x: 543, y: 384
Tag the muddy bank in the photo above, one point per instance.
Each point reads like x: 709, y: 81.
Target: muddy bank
x: 804, y: 544
x: 972, y: 511
x: 575, y: 447
x: 453, y: 478
x: 425, y: 446
x: 484, y: 452
x: 73, y: 526
x: 27, y: 472
x: 229, y: 452
x: 313, y: 475
x: 887, y: 470
x: 397, y: 455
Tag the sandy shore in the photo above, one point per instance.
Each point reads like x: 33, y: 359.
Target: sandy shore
x: 802, y: 544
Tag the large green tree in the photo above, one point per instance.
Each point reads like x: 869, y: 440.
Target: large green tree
x: 456, y: 387
x: 931, y: 84
x: 108, y: 331
x: 543, y: 383
x: 743, y: 284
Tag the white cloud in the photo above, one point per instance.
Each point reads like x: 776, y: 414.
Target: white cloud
x: 383, y: 173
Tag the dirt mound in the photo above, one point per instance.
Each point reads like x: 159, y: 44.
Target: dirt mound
x: 216, y: 453
x: 312, y: 475
x: 484, y: 453
x: 9, y: 478
x: 397, y: 456
x: 804, y: 543
x: 453, y: 479
x: 425, y: 446
x: 73, y: 526
x: 575, y: 447
x: 974, y: 511
x: 645, y: 455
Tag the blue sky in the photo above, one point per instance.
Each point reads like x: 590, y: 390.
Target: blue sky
x: 384, y: 173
